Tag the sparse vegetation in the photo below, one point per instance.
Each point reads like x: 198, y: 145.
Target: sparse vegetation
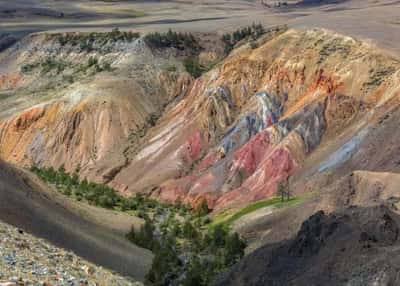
x: 89, y: 41
x: 187, y: 251
x: 334, y: 46
x: 28, y: 67
x: 93, y: 193
x: 46, y: 66
x: 172, y: 68
x: 56, y: 66
x: 377, y: 76
x: 93, y: 65
x: 193, y: 67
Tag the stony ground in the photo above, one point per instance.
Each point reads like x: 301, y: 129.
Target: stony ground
x: 26, y: 260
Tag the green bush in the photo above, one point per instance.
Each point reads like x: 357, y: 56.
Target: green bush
x: 234, y: 249
x: 193, y: 67
x: 202, y: 209
x: 51, y: 64
x: 29, y: 67
x: 144, y: 238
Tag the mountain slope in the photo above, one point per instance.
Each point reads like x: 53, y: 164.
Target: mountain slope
x: 27, y: 205
x: 314, y: 110
x: 355, y: 246
x: 267, y: 114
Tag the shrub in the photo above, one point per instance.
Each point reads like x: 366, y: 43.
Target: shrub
x: 189, y: 231
x: 28, y: 67
x: 234, y: 249
x: 51, y: 64
x: 92, y: 61
x: 193, y: 259
x: 144, y: 238
x: 194, y: 276
x: 202, y: 209
x: 193, y: 67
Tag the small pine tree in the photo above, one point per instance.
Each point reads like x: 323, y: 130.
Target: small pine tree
x: 218, y: 236
x: 283, y: 190
x: 131, y: 235
x: 194, y: 277
x: 202, y: 209
x: 234, y: 249
x: 188, y: 231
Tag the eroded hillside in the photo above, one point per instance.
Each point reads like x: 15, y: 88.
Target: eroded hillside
x: 292, y: 105
x: 356, y: 246
x: 313, y: 112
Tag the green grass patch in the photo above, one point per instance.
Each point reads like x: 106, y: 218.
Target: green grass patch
x: 227, y: 218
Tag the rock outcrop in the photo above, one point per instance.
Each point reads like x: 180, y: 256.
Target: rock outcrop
x: 355, y: 246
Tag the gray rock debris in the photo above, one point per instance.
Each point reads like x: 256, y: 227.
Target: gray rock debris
x: 26, y: 260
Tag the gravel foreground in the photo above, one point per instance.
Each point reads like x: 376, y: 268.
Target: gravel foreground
x: 26, y: 260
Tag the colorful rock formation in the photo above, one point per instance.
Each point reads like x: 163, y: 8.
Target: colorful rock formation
x: 299, y: 104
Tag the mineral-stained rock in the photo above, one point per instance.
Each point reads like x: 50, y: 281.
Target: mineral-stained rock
x: 301, y: 103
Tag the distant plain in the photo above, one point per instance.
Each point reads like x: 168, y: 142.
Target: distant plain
x: 378, y: 20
